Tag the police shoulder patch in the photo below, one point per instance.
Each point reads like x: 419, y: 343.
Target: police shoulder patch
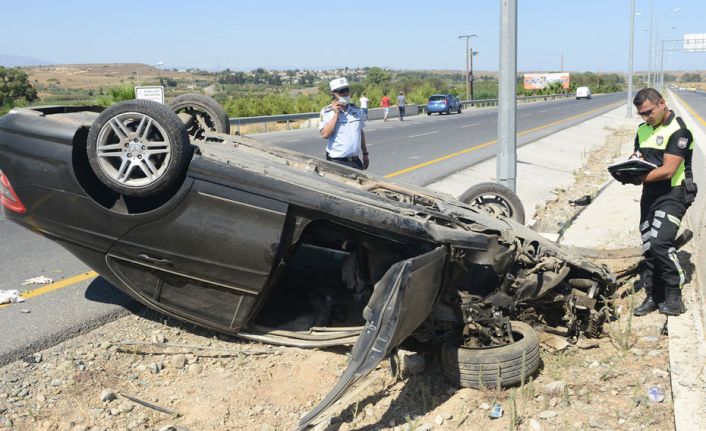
x: 659, y: 140
x: 682, y: 143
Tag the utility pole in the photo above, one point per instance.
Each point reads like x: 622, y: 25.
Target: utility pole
x: 467, y: 37
x: 507, y: 92
x: 471, y: 72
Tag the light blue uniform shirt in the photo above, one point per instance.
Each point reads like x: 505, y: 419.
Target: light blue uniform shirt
x: 345, y: 139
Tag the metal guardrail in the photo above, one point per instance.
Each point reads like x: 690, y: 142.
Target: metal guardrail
x: 481, y: 103
x: 287, y: 118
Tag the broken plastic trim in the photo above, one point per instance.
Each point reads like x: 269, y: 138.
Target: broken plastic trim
x: 401, y: 301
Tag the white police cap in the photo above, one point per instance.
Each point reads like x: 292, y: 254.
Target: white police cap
x: 338, y: 83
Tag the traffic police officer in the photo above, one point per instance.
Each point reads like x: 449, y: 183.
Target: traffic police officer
x: 342, y: 124
x: 667, y: 191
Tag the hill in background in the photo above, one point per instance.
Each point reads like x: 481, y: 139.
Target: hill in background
x: 20, y: 61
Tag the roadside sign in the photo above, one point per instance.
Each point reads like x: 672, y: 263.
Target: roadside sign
x: 155, y: 93
x: 538, y: 81
x: 695, y: 42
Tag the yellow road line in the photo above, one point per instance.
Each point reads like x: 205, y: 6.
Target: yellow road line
x: 494, y: 141
x: 55, y: 286
x: 691, y: 111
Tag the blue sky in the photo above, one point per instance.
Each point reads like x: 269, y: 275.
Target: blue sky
x: 242, y: 35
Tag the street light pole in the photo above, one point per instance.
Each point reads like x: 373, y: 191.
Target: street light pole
x: 467, y: 37
x: 630, y: 57
x: 653, y: 46
x: 507, y: 91
x: 649, y: 47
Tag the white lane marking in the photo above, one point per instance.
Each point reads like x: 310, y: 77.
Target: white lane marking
x: 525, y: 115
x: 296, y: 140
x: 470, y: 125
x: 423, y: 134
x: 544, y: 110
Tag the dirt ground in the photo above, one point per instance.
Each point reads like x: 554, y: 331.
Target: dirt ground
x: 204, y: 381
x: 94, y: 76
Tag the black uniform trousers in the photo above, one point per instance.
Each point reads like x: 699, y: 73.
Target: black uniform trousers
x: 660, y: 216
x: 351, y: 162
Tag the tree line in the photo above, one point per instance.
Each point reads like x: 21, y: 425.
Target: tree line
x: 263, y: 92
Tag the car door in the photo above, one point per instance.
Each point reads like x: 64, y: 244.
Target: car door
x: 402, y: 300
x: 207, y: 260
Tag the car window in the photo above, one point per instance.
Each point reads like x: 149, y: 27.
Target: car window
x: 436, y: 98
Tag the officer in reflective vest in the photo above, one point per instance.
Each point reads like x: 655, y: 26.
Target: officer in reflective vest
x: 667, y: 191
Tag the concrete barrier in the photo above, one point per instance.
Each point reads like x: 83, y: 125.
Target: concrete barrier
x: 696, y: 215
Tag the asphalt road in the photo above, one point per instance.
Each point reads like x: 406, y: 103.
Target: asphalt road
x: 396, y: 146
x: 697, y: 101
x: 444, y: 144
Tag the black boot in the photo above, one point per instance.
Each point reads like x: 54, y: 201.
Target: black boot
x: 673, y: 304
x: 647, y: 306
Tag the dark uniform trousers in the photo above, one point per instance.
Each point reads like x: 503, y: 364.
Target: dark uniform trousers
x: 351, y: 162
x: 660, y: 216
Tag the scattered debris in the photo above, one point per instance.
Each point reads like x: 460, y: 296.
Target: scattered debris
x: 10, y: 297
x: 496, y: 412
x: 553, y: 342
x: 38, y: 280
x: 587, y: 343
x: 655, y: 394
x: 150, y: 405
x: 582, y: 201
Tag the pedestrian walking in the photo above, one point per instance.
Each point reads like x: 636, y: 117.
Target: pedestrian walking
x: 385, y: 103
x: 364, y: 105
x: 667, y: 191
x: 401, y: 105
x: 342, y: 123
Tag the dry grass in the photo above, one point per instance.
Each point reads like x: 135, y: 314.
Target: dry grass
x: 94, y: 76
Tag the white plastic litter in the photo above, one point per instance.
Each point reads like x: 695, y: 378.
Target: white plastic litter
x: 10, y: 296
x: 38, y: 280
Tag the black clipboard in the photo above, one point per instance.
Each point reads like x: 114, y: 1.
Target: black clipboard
x: 630, y: 171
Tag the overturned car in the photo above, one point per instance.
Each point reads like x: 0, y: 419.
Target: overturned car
x: 271, y: 245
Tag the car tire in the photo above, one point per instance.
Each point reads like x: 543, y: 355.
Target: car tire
x: 200, y: 114
x: 495, y: 199
x: 491, y: 367
x: 138, y: 148
x: 429, y: 114
x: 448, y: 111
x: 459, y: 109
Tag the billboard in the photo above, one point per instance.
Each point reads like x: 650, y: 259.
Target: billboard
x: 695, y: 42
x: 538, y: 81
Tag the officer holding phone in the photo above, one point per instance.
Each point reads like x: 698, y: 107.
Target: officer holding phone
x: 342, y: 123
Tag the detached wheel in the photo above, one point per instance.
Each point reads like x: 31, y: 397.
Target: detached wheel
x: 138, y: 148
x: 496, y: 199
x: 507, y: 365
x: 200, y: 114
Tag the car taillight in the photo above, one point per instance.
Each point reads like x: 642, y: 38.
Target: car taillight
x: 446, y: 101
x: 8, y: 197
